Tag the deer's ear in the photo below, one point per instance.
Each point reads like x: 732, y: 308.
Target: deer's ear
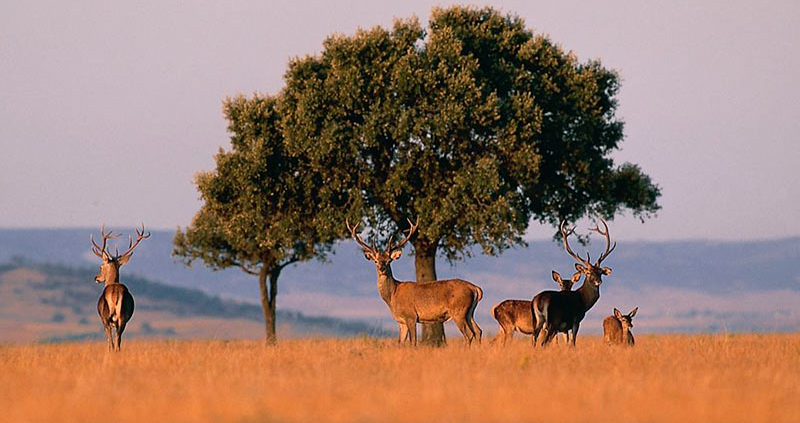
x: 368, y: 255
x: 396, y: 254
x: 579, y: 267
x: 633, y: 312
x: 556, y: 276
x: 617, y: 314
x: 576, y: 277
x: 105, y: 257
x: 124, y: 259
x: 606, y: 271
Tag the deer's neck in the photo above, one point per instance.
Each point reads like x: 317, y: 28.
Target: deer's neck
x: 112, y: 276
x: 589, y: 294
x: 386, y: 286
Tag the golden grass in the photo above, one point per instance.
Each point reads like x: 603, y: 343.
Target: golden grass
x: 680, y: 378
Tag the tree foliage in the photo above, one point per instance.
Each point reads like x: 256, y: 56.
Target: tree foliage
x: 260, y: 204
x: 476, y: 125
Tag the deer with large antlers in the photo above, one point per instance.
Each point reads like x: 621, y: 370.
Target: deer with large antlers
x: 430, y: 302
x: 563, y: 311
x: 115, y: 305
x: 514, y: 315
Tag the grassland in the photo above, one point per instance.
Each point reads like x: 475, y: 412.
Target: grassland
x: 704, y: 378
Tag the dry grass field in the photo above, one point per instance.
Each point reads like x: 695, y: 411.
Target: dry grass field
x: 667, y: 378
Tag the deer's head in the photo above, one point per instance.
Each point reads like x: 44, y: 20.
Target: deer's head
x: 109, y: 267
x: 594, y: 272
x: 383, y: 258
x: 566, y: 284
x: 625, y: 319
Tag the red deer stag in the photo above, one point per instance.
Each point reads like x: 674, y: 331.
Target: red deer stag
x: 562, y: 311
x: 617, y: 328
x: 430, y: 302
x: 115, y: 305
x: 514, y: 315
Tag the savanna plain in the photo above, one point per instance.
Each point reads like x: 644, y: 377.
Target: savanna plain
x: 664, y: 378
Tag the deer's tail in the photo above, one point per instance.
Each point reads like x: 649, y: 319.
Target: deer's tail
x: 478, y: 293
x: 494, y: 310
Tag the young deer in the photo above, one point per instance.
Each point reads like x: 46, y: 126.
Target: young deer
x: 514, y: 315
x: 115, y: 304
x: 430, y: 302
x: 617, y: 328
x: 562, y: 311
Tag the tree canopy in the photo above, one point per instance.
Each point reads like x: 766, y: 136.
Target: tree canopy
x: 476, y: 125
x: 259, y: 209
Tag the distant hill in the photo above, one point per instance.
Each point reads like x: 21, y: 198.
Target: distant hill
x: 56, y: 303
x: 679, y: 286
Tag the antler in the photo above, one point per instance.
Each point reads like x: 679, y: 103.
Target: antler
x: 609, y: 248
x: 98, y: 250
x: 411, y: 231
x: 140, y: 235
x: 358, y: 239
x: 565, y: 235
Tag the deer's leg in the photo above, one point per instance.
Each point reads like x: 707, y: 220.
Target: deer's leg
x: 539, y: 329
x: 473, y: 326
x: 501, y: 335
x: 411, y: 326
x: 120, y: 329
x: 575, y: 327
x: 538, y: 325
x: 476, y: 329
x: 547, y: 334
x: 403, y: 333
x: 462, y: 323
x: 109, y: 336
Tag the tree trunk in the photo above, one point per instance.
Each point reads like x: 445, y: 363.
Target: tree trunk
x: 268, y: 299
x: 425, y: 266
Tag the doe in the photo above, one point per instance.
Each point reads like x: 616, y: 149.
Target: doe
x: 617, y: 328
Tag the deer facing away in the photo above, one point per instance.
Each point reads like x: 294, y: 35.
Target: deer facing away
x: 514, y: 315
x: 562, y: 311
x: 617, y: 328
x: 115, y: 304
x: 430, y: 302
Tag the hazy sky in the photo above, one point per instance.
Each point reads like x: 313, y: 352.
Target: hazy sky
x: 107, y: 109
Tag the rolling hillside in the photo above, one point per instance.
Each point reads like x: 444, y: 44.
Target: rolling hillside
x: 685, y: 286
x: 51, y: 303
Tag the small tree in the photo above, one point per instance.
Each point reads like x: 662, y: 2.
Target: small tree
x: 261, y: 205
x: 477, y: 126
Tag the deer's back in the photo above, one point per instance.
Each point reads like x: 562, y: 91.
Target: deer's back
x: 516, y: 313
x: 433, y: 301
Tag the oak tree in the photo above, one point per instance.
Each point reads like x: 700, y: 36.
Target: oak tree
x: 476, y: 124
x: 260, y: 205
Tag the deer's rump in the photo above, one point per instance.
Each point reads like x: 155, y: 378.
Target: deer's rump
x: 116, y: 303
x: 438, y: 301
x: 612, y: 330
x: 515, y: 312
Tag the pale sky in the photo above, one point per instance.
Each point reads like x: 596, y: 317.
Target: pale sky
x: 107, y: 109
